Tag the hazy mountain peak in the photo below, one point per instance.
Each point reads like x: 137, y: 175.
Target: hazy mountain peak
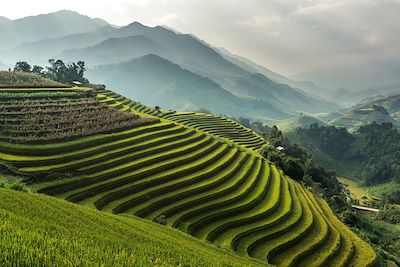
x: 4, y: 19
x: 56, y: 24
x: 136, y: 24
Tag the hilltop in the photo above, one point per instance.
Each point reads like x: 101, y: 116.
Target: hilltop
x: 379, y: 110
x: 23, y: 79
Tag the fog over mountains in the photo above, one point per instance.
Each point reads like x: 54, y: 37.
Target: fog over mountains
x: 158, y: 66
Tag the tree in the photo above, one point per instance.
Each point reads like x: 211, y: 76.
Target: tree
x: 22, y: 66
x: 60, y: 72
x: 37, y: 69
x: 294, y: 169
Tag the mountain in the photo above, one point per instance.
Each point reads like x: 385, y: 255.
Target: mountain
x: 4, y: 20
x: 291, y: 124
x: 107, y: 45
x: 249, y: 65
x: 39, y: 51
x: 358, y: 116
x: 197, y: 57
x: 172, y: 87
x: 390, y: 103
x: 377, y: 108
x: 57, y: 24
x: 348, y: 98
x: 115, y: 50
x: 356, y: 77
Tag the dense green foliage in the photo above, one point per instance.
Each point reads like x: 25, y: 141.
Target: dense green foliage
x: 38, y: 230
x: 380, y: 153
x: 373, y: 152
x: 390, y: 214
x: 57, y: 71
x: 329, y: 138
x: 13, y: 184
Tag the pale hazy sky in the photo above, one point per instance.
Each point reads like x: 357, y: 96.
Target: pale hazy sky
x: 285, y: 35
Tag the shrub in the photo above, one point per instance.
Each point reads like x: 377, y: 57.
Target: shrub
x: 14, y: 185
x: 389, y: 214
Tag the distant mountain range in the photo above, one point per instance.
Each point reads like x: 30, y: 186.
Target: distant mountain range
x: 51, y: 25
x: 356, y: 77
x: 178, y: 88
x: 245, y: 63
x: 379, y: 109
x: 158, y: 66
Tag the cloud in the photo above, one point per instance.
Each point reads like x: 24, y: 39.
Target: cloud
x: 170, y: 19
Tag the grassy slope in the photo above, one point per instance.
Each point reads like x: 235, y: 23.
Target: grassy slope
x: 24, y: 79
x: 40, y: 230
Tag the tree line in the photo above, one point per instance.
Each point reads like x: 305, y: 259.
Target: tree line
x: 56, y: 71
x: 374, y: 148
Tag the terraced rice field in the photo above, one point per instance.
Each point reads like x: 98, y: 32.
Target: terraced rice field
x: 177, y: 171
x: 39, y: 116
x: 213, y: 124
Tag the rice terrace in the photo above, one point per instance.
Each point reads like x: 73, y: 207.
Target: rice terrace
x: 189, y: 171
x: 200, y: 133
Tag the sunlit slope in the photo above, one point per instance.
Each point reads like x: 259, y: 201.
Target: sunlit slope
x: 38, y: 230
x: 213, y: 124
x: 187, y: 178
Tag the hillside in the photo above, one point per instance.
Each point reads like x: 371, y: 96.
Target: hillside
x: 68, y: 234
x: 249, y: 65
x: 23, y: 79
x: 359, y: 116
x: 200, y: 178
x: 369, y: 154
x: 291, y: 124
x: 170, y: 86
x: 195, y: 56
x: 390, y: 103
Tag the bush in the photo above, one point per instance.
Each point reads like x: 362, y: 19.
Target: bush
x: 14, y: 185
x: 393, y: 197
x: 389, y: 214
x: 350, y: 218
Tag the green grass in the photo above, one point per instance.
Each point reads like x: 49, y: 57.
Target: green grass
x: 37, y: 230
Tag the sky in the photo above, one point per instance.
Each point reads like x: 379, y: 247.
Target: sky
x: 286, y: 36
